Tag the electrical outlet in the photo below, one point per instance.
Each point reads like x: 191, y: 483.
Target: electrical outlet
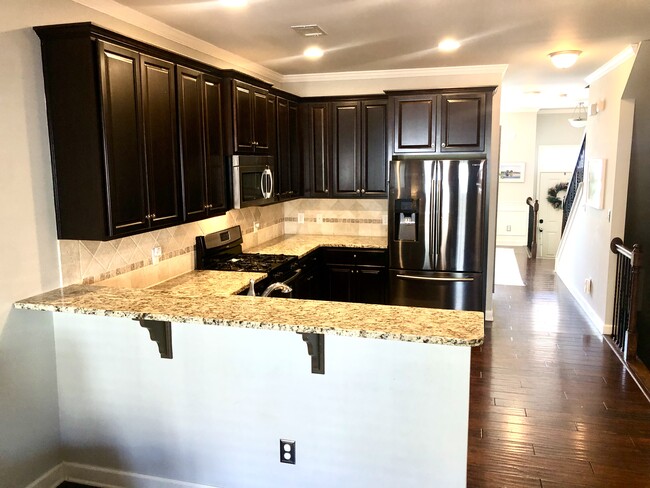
x: 508, y: 228
x: 156, y: 253
x: 256, y: 226
x: 319, y: 218
x: 287, y: 451
x: 587, y: 287
x: 384, y: 220
x: 301, y: 218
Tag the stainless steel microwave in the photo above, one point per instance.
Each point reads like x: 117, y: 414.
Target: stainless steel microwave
x: 252, y: 181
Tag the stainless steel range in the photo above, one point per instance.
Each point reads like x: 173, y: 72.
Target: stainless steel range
x: 222, y: 251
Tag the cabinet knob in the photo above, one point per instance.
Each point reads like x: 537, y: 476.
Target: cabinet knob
x: 358, y: 191
x: 153, y: 216
x: 363, y: 191
x: 327, y: 190
x: 443, y: 145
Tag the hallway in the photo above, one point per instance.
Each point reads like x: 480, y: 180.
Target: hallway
x: 550, y: 404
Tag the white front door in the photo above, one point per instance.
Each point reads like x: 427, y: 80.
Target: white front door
x: 549, y: 219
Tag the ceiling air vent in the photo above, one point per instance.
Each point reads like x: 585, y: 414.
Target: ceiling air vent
x: 311, y: 30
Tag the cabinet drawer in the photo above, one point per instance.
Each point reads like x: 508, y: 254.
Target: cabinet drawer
x: 370, y: 257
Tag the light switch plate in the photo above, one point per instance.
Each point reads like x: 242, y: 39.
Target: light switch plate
x: 319, y: 218
x: 301, y: 218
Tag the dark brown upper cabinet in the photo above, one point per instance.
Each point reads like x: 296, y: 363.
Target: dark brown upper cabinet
x: 316, y: 137
x: 462, y: 122
x: 346, y: 148
x: 289, y: 180
x: 113, y: 134
x: 415, y: 123
x: 374, y: 148
x: 440, y: 121
x: 161, y: 141
x: 202, y: 151
x: 251, y: 122
x: 359, y: 151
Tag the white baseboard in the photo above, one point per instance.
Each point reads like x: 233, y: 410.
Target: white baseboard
x: 595, y: 321
x: 106, y: 478
x: 112, y: 478
x: 53, y: 478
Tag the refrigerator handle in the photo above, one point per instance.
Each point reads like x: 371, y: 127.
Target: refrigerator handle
x: 437, y: 203
x: 430, y: 278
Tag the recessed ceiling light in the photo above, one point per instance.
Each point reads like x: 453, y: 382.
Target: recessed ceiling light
x: 313, y: 52
x: 564, y: 59
x: 448, y: 45
x: 233, y: 3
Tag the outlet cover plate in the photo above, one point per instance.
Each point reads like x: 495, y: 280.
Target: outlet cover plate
x: 301, y: 218
x: 287, y: 451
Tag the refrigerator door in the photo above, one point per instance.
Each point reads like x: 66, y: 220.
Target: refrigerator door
x: 458, y: 216
x: 410, y: 203
x: 453, y: 291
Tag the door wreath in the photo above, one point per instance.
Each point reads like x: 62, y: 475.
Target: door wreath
x: 552, y: 198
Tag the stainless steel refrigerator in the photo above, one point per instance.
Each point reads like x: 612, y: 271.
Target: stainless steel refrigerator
x: 436, y: 233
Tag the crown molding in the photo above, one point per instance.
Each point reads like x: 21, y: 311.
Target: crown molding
x: 490, y: 69
x: 140, y: 20
x: 627, y: 53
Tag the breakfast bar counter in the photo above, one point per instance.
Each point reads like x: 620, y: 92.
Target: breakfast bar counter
x: 198, y: 297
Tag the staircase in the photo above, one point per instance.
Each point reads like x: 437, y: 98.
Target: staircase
x: 572, y: 190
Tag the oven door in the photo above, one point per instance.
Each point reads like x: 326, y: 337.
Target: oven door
x: 252, y: 181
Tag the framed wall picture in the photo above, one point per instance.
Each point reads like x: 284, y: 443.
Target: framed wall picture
x: 596, y: 182
x: 512, y: 172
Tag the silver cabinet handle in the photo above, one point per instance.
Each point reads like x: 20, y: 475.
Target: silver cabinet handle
x: 429, y: 278
x: 358, y: 192
x: 363, y: 191
x: 443, y: 144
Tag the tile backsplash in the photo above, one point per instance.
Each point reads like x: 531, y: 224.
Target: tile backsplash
x: 93, y: 261
x: 328, y: 216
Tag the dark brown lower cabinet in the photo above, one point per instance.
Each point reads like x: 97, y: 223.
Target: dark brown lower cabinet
x: 355, y: 275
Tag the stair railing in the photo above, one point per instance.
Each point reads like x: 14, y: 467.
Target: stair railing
x: 533, y: 210
x: 572, y: 189
x: 626, y: 291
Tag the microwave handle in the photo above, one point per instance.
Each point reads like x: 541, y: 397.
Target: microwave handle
x: 266, y: 193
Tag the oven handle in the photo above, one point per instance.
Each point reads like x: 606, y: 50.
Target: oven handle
x: 288, y: 281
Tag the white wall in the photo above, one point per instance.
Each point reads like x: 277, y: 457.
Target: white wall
x: 518, y: 142
x: 29, y: 430
x: 585, y: 250
x: 385, y: 414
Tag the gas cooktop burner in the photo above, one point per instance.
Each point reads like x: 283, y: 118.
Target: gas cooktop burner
x: 260, y: 263
x: 222, y: 251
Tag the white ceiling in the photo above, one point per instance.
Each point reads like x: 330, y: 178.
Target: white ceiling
x: 393, y: 34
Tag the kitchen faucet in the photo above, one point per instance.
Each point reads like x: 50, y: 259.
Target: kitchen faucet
x: 276, y: 286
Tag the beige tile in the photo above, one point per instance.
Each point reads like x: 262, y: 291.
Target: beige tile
x: 291, y: 228
x: 85, y: 258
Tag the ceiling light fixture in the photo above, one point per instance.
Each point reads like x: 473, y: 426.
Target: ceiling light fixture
x: 579, y: 118
x: 564, y: 59
x: 313, y: 52
x: 447, y: 45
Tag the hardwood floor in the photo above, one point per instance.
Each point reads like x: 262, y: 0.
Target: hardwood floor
x: 550, y: 404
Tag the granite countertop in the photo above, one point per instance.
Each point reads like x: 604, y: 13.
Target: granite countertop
x: 179, y: 304
x: 300, y: 245
x: 175, y: 300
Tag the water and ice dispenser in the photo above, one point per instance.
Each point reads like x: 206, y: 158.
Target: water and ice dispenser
x: 406, y: 220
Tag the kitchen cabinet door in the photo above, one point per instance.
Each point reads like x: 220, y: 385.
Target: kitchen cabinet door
x: 251, y: 119
x: 160, y: 134
x: 370, y: 284
x: 317, y: 151
x: 374, y: 148
x: 415, y: 123
x: 346, y: 150
x: 288, y: 149
x: 199, y: 105
x: 119, y: 70
x: 356, y: 275
x: 462, y: 122
x: 215, y: 167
